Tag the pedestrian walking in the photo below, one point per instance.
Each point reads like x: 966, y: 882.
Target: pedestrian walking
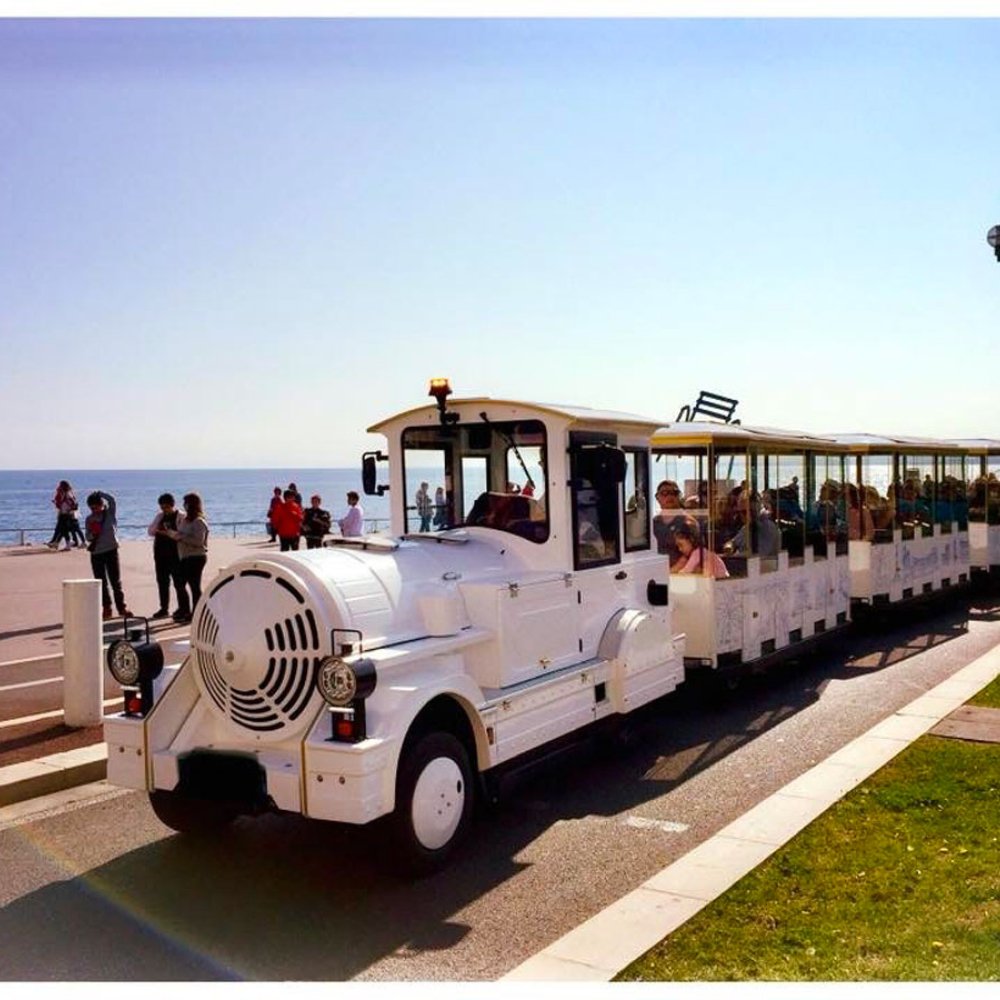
x: 440, y: 508
x: 425, y: 506
x: 315, y: 522
x: 275, y: 501
x: 167, y: 560
x: 191, y: 536
x: 287, y: 519
x: 102, y: 542
x: 73, y: 521
x: 352, y: 524
x: 67, y: 522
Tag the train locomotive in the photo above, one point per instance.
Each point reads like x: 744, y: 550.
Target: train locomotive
x: 392, y: 678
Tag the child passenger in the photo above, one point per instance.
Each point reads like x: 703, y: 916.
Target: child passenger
x: 693, y: 556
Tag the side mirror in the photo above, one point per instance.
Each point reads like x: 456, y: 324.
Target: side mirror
x: 602, y: 463
x: 369, y: 473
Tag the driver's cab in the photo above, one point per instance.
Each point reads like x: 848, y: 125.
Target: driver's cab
x: 543, y: 515
x: 567, y: 488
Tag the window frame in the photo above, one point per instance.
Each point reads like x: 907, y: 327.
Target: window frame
x: 642, y: 466
x: 453, y: 441
x: 578, y: 441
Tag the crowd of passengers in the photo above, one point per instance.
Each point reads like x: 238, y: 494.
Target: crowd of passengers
x: 697, y: 538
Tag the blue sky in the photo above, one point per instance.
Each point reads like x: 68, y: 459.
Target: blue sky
x: 239, y: 243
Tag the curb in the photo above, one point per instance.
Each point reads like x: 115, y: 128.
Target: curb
x: 46, y: 775
x: 602, y: 946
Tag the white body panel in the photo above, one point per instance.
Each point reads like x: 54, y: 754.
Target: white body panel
x: 984, y: 545
x: 899, y: 569
x: 762, y: 612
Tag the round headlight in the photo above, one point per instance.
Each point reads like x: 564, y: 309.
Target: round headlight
x: 341, y: 683
x: 337, y: 682
x: 123, y: 662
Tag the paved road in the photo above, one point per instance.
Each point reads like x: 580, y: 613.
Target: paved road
x: 286, y: 898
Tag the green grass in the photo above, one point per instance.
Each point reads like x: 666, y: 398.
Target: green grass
x: 900, y: 880
x: 989, y: 697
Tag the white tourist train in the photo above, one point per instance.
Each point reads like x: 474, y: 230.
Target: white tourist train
x: 576, y: 565
x: 384, y: 676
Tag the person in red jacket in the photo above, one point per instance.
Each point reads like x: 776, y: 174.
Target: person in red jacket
x: 287, y: 521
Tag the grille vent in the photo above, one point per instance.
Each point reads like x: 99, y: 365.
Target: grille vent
x: 288, y: 674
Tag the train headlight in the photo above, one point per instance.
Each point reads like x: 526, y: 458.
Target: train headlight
x: 342, y: 683
x: 135, y: 665
x: 123, y: 662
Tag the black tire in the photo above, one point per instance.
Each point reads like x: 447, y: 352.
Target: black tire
x: 425, y: 832
x: 195, y: 817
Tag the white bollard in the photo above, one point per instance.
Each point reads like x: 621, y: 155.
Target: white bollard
x: 83, y: 641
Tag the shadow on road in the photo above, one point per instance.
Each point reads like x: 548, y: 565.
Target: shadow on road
x: 285, y: 898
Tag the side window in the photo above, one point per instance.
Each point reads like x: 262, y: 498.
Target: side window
x: 636, y: 499
x: 597, y: 470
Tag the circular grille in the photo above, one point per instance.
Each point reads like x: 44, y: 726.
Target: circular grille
x: 256, y: 644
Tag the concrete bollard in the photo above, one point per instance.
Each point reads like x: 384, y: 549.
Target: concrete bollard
x: 83, y: 640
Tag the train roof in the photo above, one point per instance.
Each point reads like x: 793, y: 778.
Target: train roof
x: 979, y: 446
x: 575, y: 414
x: 873, y: 444
x: 705, y: 432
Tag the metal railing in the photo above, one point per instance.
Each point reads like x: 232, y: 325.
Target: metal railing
x: 31, y: 535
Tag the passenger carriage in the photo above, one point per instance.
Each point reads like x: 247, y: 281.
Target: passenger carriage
x: 770, y: 507
x: 983, y: 492
x: 913, y: 540
x: 392, y: 676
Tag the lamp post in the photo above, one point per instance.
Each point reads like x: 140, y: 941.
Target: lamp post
x: 993, y: 238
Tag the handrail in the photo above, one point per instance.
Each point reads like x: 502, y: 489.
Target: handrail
x: 372, y: 525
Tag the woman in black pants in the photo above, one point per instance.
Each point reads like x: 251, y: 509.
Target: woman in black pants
x: 192, y: 545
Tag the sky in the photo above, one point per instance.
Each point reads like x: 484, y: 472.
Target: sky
x: 239, y: 243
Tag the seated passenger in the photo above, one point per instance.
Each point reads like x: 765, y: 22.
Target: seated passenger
x: 881, y: 509
x: 668, y: 496
x: 693, y: 556
x: 699, y: 500
x: 788, y: 506
x: 860, y: 523
x: 911, y: 508
x: 825, y: 515
x: 761, y: 536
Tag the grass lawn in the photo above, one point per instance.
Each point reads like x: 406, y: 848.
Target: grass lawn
x: 989, y: 697
x: 900, y: 880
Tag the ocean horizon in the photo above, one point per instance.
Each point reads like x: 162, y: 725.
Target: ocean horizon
x: 239, y: 496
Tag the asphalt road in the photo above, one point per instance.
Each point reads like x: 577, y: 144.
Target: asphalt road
x: 101, y: 891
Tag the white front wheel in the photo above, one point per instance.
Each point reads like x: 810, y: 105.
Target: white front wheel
x: 438, y: 803
x: 434, y: 799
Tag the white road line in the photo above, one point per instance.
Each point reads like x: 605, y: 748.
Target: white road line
x: 666, y: 825
x: 10, y: 723
x: 31, y: 684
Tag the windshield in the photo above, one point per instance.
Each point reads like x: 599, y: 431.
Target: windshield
x: 486, y: 474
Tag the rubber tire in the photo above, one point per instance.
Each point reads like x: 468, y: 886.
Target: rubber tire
x: 195, y: 817
x: 409, y: 855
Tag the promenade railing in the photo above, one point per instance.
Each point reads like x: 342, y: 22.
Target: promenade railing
x: 40, y: 535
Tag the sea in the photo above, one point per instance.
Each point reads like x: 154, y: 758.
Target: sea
x: 235, y: 500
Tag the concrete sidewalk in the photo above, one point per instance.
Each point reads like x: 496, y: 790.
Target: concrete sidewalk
x: 601, y: 947
x: 38, y: 753
x: 31, y: 579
